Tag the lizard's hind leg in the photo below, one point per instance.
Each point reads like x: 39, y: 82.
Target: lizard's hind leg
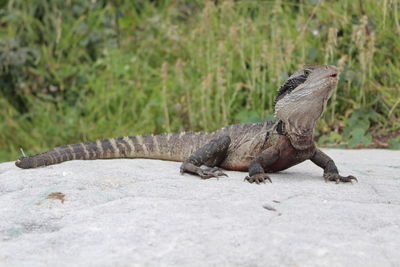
x: 211, y: 155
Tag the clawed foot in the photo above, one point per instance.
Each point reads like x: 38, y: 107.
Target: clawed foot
x: 338, y: 178
x: 211, y: 173
x: 205, y: 173
x: 258, y: 178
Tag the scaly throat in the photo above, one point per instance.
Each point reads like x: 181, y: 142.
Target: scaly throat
x: 300, y: 138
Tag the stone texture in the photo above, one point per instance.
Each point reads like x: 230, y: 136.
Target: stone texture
x: 144, y: 213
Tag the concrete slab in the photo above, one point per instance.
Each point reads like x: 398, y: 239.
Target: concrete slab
x: 144, y: 213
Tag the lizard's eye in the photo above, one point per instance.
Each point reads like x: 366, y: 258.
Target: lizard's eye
x: 307, y: 72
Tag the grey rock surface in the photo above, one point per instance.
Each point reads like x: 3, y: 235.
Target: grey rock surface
x: 144, y: 213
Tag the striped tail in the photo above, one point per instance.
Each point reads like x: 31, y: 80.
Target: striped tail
x: 169, y: 146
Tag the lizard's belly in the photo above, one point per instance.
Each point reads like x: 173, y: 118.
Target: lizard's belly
x: 238, y: 159
x: 236, y: 165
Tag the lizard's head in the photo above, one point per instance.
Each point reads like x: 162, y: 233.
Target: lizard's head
x: 302, y: 99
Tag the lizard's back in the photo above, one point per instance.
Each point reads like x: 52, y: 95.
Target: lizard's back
x: 247, y: 140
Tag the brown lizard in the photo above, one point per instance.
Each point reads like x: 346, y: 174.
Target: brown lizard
x: 259, y: 148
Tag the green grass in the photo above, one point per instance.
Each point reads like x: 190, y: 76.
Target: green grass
x: 73, y: 71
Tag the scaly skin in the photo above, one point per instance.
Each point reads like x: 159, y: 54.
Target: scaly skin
x: 259, y: 148
x: 168, y: 146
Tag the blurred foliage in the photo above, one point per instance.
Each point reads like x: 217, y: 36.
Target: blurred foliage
x: 74, y: 71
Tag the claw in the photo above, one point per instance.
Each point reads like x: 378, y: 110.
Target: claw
x: 338, y: 178
x: 217, y: 171
x: 204, y: 173
x: 258, y: 178
x: 211, y: 173
x: 349, y: 178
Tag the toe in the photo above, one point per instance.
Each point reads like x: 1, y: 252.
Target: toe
x: 348, y: 179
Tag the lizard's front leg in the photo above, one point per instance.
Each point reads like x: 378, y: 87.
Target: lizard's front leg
x: 331, y: 172
x: 261, y: 162
x: 211, y: 154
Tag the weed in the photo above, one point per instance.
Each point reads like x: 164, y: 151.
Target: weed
x: 75, y: 71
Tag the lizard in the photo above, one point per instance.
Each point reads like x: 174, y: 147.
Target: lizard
x: 259, y: 148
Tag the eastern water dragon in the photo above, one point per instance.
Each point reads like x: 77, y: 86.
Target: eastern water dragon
x: 258, y: 148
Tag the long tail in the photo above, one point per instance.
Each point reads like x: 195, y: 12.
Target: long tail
x: 169, y: 146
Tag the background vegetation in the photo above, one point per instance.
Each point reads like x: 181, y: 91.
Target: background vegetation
x: 73, y: 71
